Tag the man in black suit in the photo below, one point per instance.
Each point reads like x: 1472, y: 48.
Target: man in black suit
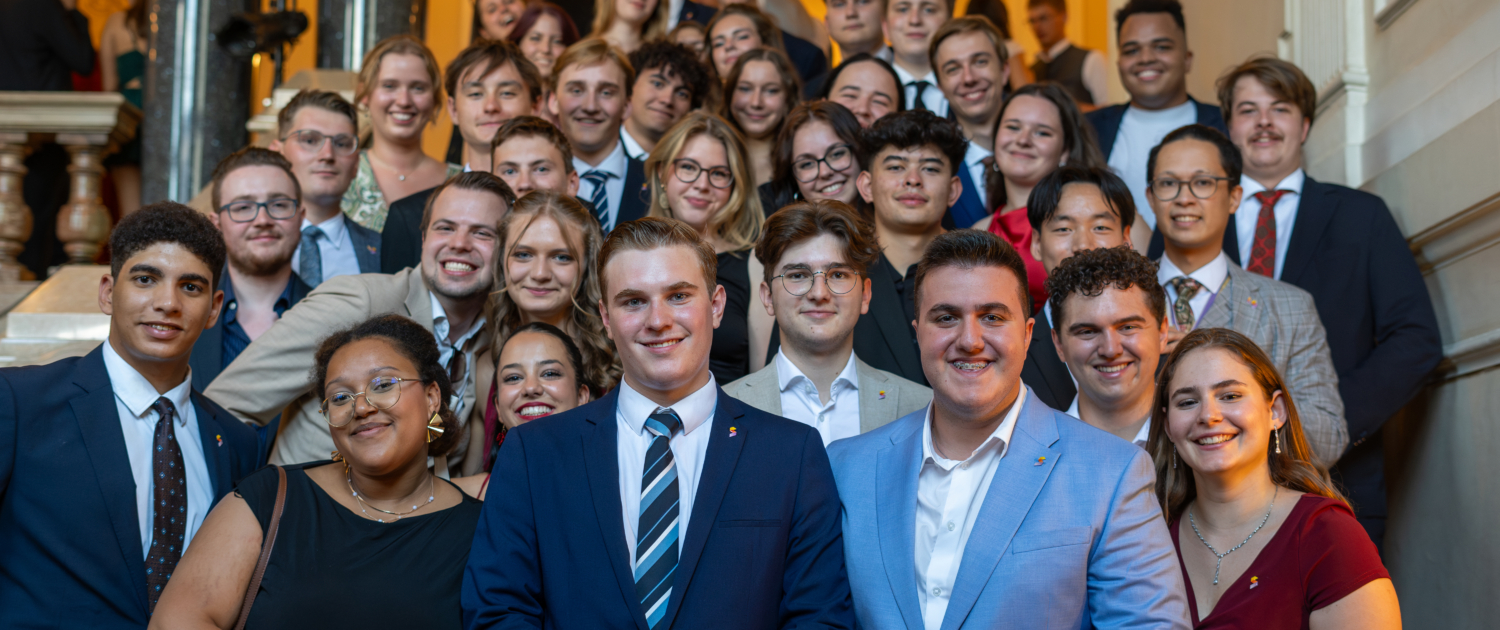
x: 1342, y: 246
x: 592, y: 83
x: 109, y: 462
x: 1071, y: 210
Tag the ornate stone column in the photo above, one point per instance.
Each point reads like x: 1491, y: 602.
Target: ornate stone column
x: 349, y: 28
x: 83, y: 224
x: 15, y: 217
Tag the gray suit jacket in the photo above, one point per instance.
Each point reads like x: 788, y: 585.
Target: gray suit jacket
x: 1283, y: 321
x: 883, y: 396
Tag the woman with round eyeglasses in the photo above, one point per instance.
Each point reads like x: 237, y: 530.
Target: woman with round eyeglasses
x: 1264, y: 538
x: 817, y: 158
x: 762, y: 88
x: 374, y: 529
x: 700, y: 174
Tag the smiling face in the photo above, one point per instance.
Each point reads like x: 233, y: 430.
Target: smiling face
x: 536, y: 379
x: 911, y: 189
x: 1188, y: 223
x: 910, y: 25
x: 816, y: 140
x: 542, y: 270
x: 1083, y: 220
x: 530, y: 163
x: 1029, y: 140
x: 971, y: 76
x: 264, y: 245
x: 660, y: 311
x: 658, y: 101
x: 697, y: 204
x: 1218, y: 417
x: 402, y: 101
x: 855, y: 25
x: 458, y: 248
x: 1154, y: 60
x: 972, y: 332
x: 1112, y: 345
x: 1268, y: 129
x: 759, y: 100
x: 819, y: 321
x: 867, y: 90
x: 543, y: 43
x: 732, y: 36
x: 323, y: 174
x: 158, y: 306
x: 498, y: 17
x: 379, y: 440
x: 590, y: 102
x: 485, y: 102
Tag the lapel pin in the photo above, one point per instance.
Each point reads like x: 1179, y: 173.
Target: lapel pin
x: 732, y: 432
x: 1254, y: 581
x: 1253, y: 302
x: 1040, y: 460
x: 371, y: 248
x: 882, y: 394
x: 220, y: 438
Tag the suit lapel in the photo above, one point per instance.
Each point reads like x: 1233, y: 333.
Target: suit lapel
x: 601, y: 463
x: 1018, y: 479
x: 207, y: 358
x: 885, y: 306
x: 897, y: 468
x: 765, y: 389
x: 970, y: 208
x: 217, y: 460
x: 633, y: 202
x: 713, y: 483
x: 878, y: 401
x: 1221, y: 313
x: 366, y: 246
x: 1314, y: 212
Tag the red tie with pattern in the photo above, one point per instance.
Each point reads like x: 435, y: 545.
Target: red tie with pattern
x: 1263, y: 248
x: 169, y: 501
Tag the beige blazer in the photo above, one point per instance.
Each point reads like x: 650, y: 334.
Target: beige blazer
x: 273, y: 374
x: 883, y: 396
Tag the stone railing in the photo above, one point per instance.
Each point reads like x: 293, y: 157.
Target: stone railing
x: 90, y: 126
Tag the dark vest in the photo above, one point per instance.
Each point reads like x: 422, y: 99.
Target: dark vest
x: 1067, y: 71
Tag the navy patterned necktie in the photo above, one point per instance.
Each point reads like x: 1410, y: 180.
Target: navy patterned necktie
x: 600, y: 197
x: 917, y: 102
x: 310, y: 267
x: 656, y: 541
x: 169, y: 502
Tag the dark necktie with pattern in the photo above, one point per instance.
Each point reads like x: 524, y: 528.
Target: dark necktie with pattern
x: 1263, y: 248
x: 169, y: 502
x: 656, y: 542
x: 1182, y: 308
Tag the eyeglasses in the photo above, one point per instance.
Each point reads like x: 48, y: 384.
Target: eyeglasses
x: 382, y: 393
x: 312, y: 141
x: 1203, y: 187
x: 688, y: 171
x: 246, y: 211
x: 800, y: 281
x: 838, y: 158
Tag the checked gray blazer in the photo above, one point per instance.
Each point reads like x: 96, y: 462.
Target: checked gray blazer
x: 1283, y: 321
x: 883, y: 396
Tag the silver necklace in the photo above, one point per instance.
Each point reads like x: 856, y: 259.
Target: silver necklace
x: 1194, y: 522
x: 399, y: 175
x: 431, y: 494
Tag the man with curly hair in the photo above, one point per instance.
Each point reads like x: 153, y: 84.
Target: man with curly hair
x: 670, y: 81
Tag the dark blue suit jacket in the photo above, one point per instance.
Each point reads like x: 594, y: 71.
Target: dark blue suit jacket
x: 636, y: 195
x: 1106, y: 122
x: 970, y: 207
x: 70, y: 539
x: 764, y: 547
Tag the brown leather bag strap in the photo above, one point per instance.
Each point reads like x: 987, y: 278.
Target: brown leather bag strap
x: 265, y: 549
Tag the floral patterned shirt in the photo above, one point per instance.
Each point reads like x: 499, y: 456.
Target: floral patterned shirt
x: 364, y: 202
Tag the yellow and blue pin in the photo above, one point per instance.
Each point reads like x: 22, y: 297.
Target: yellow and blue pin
x: 1040, y: 460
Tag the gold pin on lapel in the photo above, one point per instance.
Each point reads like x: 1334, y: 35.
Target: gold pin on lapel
x: 1040, y: 460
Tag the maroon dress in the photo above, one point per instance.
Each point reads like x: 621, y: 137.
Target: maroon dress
x: 1319, y: 556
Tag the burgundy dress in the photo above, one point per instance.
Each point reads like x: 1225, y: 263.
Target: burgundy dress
x: 1319, y: 556
x: 1015, y: 228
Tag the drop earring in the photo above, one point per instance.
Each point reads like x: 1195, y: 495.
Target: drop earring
x: 435, y: 424
x: 1280, y: 434
x: 1174, y: 457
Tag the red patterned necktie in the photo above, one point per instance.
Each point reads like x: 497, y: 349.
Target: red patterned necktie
x: 169, y: 501
x: 1263, y: 248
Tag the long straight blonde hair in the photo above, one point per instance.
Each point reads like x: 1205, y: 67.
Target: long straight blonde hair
x: 654, y: 28
x: 739, y: 222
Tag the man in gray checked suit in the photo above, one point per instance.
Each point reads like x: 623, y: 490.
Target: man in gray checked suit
x: 1194, y: 188
x: 815, y: 255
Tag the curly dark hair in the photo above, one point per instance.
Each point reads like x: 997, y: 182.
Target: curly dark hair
x: 416, y: 344
x: 914, y: 128
x: 166, y: 222
x: 1090, y: 272
x: 675, y: 60
x: 575, y: 356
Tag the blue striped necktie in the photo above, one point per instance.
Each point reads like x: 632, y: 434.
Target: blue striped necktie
x: 600, y: 198
x: 656, y: 542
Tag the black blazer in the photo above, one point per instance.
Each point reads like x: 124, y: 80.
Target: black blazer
x: 41, y: 45
x: 207, y: 359
x: 72, y: 541
x: 636, y: 193
x: 1106, y: 122
x: 401, y: 239
x: 1044, y: 372
x: 883, y: 336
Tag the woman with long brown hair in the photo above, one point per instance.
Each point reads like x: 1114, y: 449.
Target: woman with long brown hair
x: 626, y: 24
x: 1264, y: 538
x: 817, y: 158
x: 759, y: 91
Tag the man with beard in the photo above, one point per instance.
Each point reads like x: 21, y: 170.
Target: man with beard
x: 446, y: 293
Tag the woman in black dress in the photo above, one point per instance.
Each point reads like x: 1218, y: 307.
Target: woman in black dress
x: 374, y: 530
x: 700, y: 174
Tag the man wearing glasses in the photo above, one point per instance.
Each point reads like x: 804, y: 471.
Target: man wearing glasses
x: 1194, y: 188
x: 816, y: 255
x: 317, y: 135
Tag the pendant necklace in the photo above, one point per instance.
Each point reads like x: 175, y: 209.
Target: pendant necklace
x: 431, y: 494
x: 399, y: 175
x: 1220, y: 556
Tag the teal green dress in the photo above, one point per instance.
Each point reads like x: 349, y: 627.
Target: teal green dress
x: 131, y: 66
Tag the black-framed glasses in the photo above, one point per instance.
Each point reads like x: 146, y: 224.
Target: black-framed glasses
x: 799, y: 281
x: 1203, y: 187
x: 839, y: 157
x: 688, y: 170
x: 312, y: 141
x: 382, y: 393
x: 246, y: 211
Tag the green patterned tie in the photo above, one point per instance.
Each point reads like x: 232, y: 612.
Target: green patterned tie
x: 1186, y: 289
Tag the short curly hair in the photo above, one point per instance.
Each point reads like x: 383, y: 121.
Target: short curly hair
x: 416, y: 344
x: 1090, y: 272
x: 911, y: 129
x: 675, y: 60
x: 166, y: 222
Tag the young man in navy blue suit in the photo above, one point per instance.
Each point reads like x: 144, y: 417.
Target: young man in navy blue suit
x: 968, y: 54
x: 110, y: 461
x: 665, y: 504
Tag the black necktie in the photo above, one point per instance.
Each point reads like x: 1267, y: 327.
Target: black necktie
x: 917, y: 100
x: 169, y: 501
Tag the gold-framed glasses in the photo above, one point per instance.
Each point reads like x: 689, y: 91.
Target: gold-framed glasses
x: 382, y: 393
x: 799, y: 281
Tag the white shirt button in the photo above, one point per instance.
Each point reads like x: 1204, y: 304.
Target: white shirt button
x: 951, y: 526
x: 936, y: 592
x: 964, y: 465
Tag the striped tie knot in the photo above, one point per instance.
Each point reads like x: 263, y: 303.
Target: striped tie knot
x: 600, y: 197
x: 663, y: 423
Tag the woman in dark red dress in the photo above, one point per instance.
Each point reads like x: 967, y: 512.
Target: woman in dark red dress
x: 1263, y: 538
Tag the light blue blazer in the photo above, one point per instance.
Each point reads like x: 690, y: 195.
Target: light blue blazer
x: 1075, y: 540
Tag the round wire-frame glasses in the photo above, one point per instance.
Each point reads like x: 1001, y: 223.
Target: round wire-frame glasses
x: 382, y: 393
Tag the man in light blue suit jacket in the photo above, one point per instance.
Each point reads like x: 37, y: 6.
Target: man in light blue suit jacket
x: 988, y: 509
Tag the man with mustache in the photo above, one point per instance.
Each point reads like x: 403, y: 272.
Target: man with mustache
x: 670, y: 81
x: 1342, y: 246
x: 446, y: 293
x: 1154, y: 62
x: 969, y: 56
x: 592, y: 83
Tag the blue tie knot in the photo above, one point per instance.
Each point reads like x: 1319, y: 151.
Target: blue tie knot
x: 663, y: 423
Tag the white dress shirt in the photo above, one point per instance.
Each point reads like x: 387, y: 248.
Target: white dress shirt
x: 1140, y: 130
x: 134, y: 396
x: 974, y: 161
x: 1140, y: 436
x: 615, y: 164
x: 1095, y: 75
x: 800, y: 400
x: 932, y: 97
x: 633, y: 149
x: 440, y: 330
x: 336, y: 248
x: 1212, y: 276
x: 1286, y: 216
x: 689, y: 449
x: 950, y: 494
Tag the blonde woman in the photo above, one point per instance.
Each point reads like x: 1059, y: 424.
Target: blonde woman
x: 700, y: 174
x: 400, y: 88
x: 626, y: 24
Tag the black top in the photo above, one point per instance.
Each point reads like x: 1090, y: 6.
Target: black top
x: 883, y: 336
x: 730, y: 357
x: 333, y: 568
x: 41, y: 45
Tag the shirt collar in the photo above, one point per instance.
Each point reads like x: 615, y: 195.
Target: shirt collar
x: 230, y: 315
x: 440, y: 324
x: 614, y: 163
x: 1002, y: 433
x: 694, y: 410
x: 633, y: 149
x: 1058, y: 49
x: 1145, y: 432
x: 975, y: 154
x: 788, y: 373
x: 333, y: 228
x: 1292, y: 183
x: 907, y: 78
x: 139, y: 394
x: 1211, y: 275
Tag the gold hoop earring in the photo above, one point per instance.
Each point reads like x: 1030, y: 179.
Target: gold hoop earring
x: 336, y: 456
x: 435, y: 424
